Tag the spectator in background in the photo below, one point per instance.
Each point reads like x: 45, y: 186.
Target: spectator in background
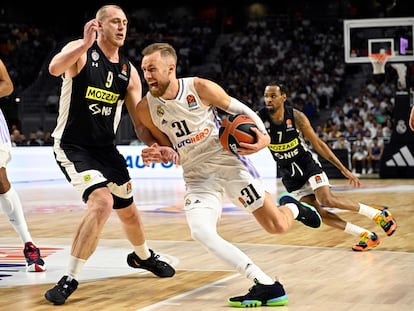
x: 359, y: 154
x: 349, y: 133
x: 334, y: 133
x: 375, y: 151
x: 47, y: 139
x: 327, y: 126
x: 17, y: 138
x: 342, y: 143
x: 33, y: 141
x: 367, y: 137
x: 9, y: 199
x: 387, y: 130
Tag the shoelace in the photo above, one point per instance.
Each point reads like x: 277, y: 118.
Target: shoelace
x: 252, y: 290
x: 364, y: 239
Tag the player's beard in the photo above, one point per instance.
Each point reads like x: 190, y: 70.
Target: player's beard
x: 160, y: 90
x: 270, y: 109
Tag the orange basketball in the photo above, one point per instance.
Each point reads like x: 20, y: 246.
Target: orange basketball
x: 236, y: 129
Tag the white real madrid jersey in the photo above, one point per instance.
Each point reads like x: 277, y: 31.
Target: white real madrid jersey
x: 191, y: 126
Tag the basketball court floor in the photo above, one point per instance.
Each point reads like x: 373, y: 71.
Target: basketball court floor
x: 317, y: 266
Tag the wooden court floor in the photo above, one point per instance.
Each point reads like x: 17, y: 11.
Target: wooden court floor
x: 317, y: 266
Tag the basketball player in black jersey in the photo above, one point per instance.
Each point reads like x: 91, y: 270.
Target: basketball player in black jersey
x: 302, y: 174
x: 96, y: 80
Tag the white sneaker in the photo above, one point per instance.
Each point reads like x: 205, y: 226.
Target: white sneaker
x: 370, y: 171
x: 364, y: 171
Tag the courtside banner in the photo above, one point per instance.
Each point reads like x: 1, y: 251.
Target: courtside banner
x: 38, y: 164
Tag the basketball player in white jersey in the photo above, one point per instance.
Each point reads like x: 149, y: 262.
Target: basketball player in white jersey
x: 9, y: 200
x: 181, y: 113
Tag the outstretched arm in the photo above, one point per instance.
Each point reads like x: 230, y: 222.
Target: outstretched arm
x: 302, y: 122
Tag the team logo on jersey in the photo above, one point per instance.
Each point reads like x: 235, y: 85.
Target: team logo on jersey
x: 95, y: 58
x: 87, y: 178
x: 95, y: 55
x: 160, y: 111
x: 124, y: 69
x: 401, y: 128
x: 242, y: 201
x: 191, y: 101
x: 123, y: 74
x: 289, y: 125
x: 129, y: 187
x: 318, y: 179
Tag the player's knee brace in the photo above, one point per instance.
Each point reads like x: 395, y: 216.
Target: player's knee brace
x: 122, y: 203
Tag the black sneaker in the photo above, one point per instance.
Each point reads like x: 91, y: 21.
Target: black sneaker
x: 308, y: 215
x: 154, y: 264
x: 62, y: 290
x: 261, y: 295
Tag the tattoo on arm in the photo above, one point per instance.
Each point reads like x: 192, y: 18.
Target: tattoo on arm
x: 299, y: 117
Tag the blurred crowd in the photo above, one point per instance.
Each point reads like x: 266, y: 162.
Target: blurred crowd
x: 305, y: 55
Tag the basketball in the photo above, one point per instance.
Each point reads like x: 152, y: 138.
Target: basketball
x: 236, y: 129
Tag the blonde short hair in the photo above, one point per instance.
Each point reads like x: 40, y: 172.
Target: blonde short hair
x: 165, y: 49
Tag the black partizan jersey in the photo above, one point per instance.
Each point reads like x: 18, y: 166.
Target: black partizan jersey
x: 288, y: 148
x: 90, y: 106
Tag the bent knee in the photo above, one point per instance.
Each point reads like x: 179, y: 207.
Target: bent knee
x: 203, y: 236
x: 100, y: 204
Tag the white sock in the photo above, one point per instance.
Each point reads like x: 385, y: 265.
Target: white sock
x: 74, y: 267
x: 252, y: 272
x: 142, y: 251
x: 368, y: 211
x: 293, y: 207
x: 12, y: 207
x: 354, y: 229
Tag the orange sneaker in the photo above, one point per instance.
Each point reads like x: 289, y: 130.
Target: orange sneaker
x: 386, y: 221
x: 367, y: 242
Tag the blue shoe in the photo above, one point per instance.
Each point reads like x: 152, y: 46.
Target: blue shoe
x: 308, y: 215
